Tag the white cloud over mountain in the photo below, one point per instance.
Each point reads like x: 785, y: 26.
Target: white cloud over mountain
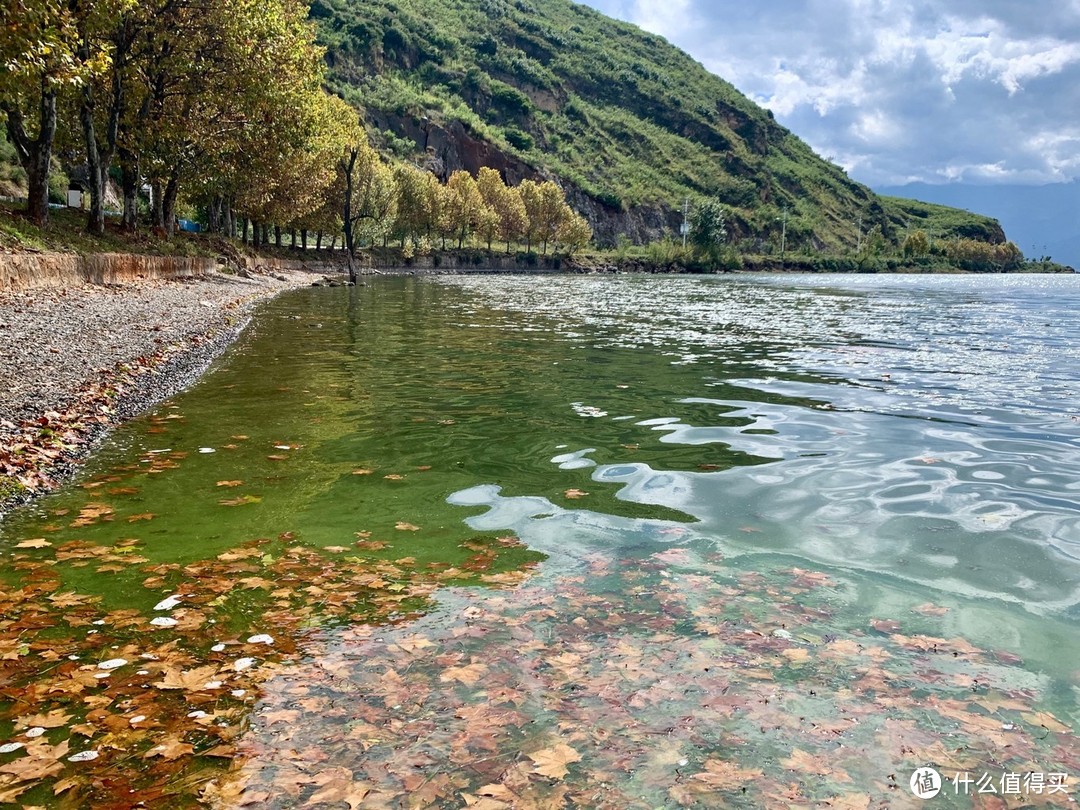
x: 899, y: 90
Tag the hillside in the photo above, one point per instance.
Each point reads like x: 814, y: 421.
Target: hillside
x: 626, y: 122
x: 1040, y: 219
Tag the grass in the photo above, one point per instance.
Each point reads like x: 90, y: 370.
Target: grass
x: 66, y: 233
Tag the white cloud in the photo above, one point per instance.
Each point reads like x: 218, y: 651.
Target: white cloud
x: 899, y: 89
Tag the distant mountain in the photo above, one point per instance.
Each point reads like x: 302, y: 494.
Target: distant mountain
x: 1042, y: 220
x: 627, y: 123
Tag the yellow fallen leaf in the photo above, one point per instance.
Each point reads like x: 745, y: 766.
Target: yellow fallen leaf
x: 37, y: 542
x: 553, y: 761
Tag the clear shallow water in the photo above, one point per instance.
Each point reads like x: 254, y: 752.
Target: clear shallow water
x: 924, y: 428
x: 913, y: 440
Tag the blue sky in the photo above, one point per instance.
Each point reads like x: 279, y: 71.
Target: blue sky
x: 896, y: 91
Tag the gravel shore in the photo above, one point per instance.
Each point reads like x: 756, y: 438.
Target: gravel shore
x: 75, y: 361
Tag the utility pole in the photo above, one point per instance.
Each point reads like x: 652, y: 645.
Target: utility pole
x: 783, y: 240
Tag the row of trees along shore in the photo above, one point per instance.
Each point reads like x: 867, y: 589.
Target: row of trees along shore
x: 222, y: 105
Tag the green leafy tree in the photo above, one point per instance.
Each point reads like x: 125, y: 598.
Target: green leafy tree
x: 708, y: 229
x: 39, y: 53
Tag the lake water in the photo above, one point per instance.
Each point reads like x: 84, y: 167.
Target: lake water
x: 584, y: 541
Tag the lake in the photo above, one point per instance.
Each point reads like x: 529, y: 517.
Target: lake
x: 620, y: 541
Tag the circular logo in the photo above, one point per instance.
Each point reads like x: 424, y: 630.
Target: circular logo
x: 926, y: 783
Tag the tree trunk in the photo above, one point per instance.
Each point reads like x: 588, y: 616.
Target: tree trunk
x: 318, y: 240
x: 215, y: 215
x: 265, y: 234
x: 257, y: 235
x: 333, y: 242
x: 157, y: 214
x: 292, y: 238
x: 129, y: 179
x: 35, y: 156
x: 244, y: 229
x: 303, y: 239
x: 100, y: 151
x: 277, y: 236
x: 168, y: 202
x: 97, y: 165
x: 350, y: 242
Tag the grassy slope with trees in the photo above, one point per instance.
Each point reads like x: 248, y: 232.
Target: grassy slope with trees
x: 223, y: 111
x: 616, y: 113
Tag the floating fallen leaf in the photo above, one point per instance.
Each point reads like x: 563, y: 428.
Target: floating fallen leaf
x: 553, y: 762
x: 394, y: 477
x: 112, y: 663
x: 191, y: 680
x: 83, y: 756
x: 172, y: 748
x: 401, y: 526
x: 37, y: 542
x: 469, y: 675
x: 230, y: 483
x: 575, y: 493
x: 362, y: 471
x: 163, y: 621
x: 168, y: 603
x: 885, y: 625
x: 240, y: 664
x: 243, y: 500
x: 261, y: 638
x: 143, y: 516
x: 277, y: 457
x: 54, y: 719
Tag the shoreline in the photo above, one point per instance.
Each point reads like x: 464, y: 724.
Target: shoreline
x: 79, y: 361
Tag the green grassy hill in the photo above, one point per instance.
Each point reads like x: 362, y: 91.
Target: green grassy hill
x: 626, y: 122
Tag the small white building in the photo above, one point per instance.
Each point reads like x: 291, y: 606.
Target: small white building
x: 74, y: 196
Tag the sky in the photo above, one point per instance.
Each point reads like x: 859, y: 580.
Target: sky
x: 899, y: 91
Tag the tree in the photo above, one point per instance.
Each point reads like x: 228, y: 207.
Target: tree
x: 551, y: 207
x: 465, y: 204
x: 916, y: 244
x: 574, y: 231
x: 38, y: 41
x: 106, y: 33
x: 708, y: 229
x: 369, y: 194
x: 505, y: 202
x: 529, y: 191
x: 413, y: 202
x: 513, y: 221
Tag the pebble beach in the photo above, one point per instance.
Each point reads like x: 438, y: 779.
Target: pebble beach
x: 75, y: 361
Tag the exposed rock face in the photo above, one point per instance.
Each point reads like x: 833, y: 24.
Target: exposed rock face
x: 452, y: 147
x: 21, y: 271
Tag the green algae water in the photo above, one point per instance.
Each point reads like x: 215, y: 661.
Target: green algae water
x: 577, y: 542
